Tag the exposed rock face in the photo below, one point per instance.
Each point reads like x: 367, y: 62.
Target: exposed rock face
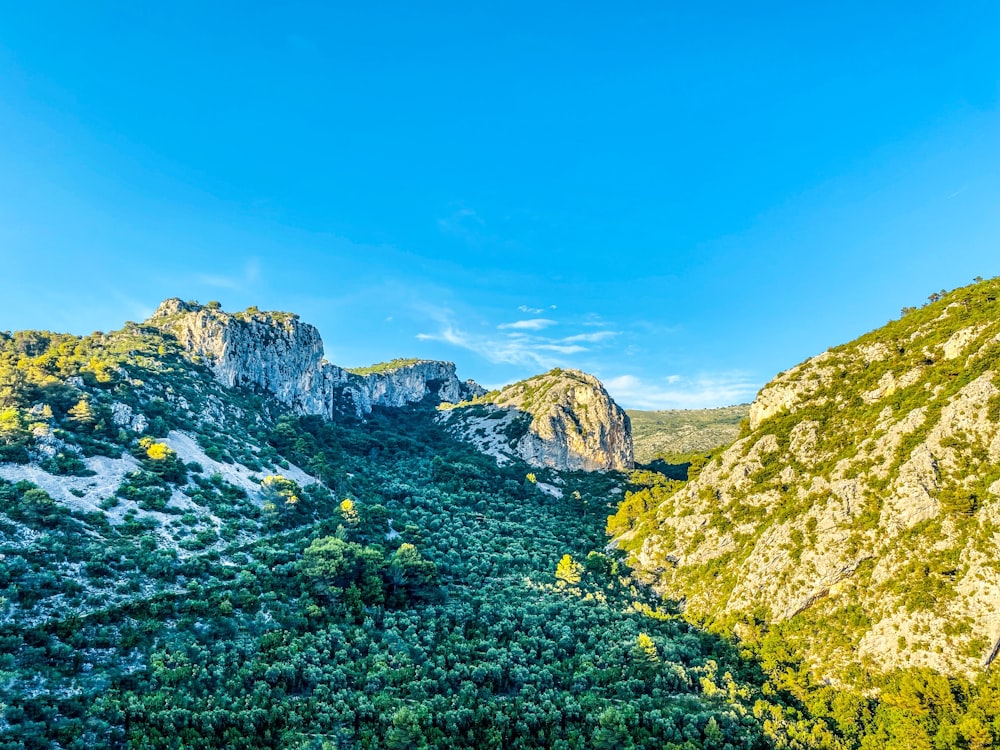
x: 278, y: 353
x: 409, y: 383
x: 563, y: 419
x: 864, y: 504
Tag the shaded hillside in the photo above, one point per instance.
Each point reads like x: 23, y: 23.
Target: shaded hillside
x: 669, y: 433
x: 860, y: 509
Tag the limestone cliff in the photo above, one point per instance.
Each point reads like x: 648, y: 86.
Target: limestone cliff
x: 861, y: 506
x: 563, y: 419
x: 279, y: 354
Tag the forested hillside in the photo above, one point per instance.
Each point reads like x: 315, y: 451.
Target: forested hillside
x: 190, y: 565
x: 186, y: 563
x: 851, y: 532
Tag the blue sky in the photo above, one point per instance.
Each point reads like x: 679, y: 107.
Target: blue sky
x: 683, y: 199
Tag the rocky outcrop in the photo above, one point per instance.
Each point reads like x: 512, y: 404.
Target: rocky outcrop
x: 563, y: 419
x: 863, y: 502
x: 409, y: 382
x: 277, y: 353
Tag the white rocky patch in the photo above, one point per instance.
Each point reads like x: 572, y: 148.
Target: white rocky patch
x: 485, y: 433
x: 550, y: 489
x: 959, y: 340
x: 188, y: 450
x: 104, y: 484
x: 122, y: 415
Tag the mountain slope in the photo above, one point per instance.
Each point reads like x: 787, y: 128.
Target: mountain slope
x: 860, y: 509
x: 562, y: 419
x: 673, y: 432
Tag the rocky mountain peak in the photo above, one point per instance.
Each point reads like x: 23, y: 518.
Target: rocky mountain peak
x: 563, y: 419
x: 278, y: 353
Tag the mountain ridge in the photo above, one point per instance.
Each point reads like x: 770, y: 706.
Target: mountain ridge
x: 284, y: 356
x: 580, y: 427
x: 859, y: 507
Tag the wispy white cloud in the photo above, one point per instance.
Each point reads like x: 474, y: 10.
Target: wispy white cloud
x: 562, y: 348
x: 512, y: 350
x: 535, y: 310
x: 592, y: 338
x: 534, y: 324
x: 679, y: 392
x: 520, y: 342
x: 241, y: 281
x: 463, y: 223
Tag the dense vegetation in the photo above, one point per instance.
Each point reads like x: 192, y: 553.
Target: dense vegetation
x: 849, y: 535
x: 668, y: 435
x: 406, y: 592
x: 415, y: 595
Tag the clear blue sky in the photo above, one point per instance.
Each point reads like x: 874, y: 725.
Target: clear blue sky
x: 682, y: 198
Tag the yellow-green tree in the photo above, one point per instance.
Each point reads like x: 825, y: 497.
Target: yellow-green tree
x: 82, y: 412
x: 349, y: 512
x: 11, y: 424
x: 280, y: 490
x: 645, y: 648
x: 568, y: 571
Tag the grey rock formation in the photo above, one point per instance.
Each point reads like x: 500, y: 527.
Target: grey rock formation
x: 563, y: 419
x: 279, y: 354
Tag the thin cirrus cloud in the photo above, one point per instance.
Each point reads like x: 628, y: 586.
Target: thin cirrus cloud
x: 463, y: 223
x: 678, y: 392
x: 534, y: 324
x: 520, y: 342
x: 496, y: 349
x: 592, y: 338
x: 535, y: 310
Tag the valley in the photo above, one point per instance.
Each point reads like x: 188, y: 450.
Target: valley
x: 213, y: 537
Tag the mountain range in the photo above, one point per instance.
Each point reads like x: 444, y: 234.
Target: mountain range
x: 210, y: 536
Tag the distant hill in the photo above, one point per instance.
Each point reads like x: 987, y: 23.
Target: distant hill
x: 674, y: 432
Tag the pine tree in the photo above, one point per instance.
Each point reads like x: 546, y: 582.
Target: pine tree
x: 646, y: 648
x: 83, y: 412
